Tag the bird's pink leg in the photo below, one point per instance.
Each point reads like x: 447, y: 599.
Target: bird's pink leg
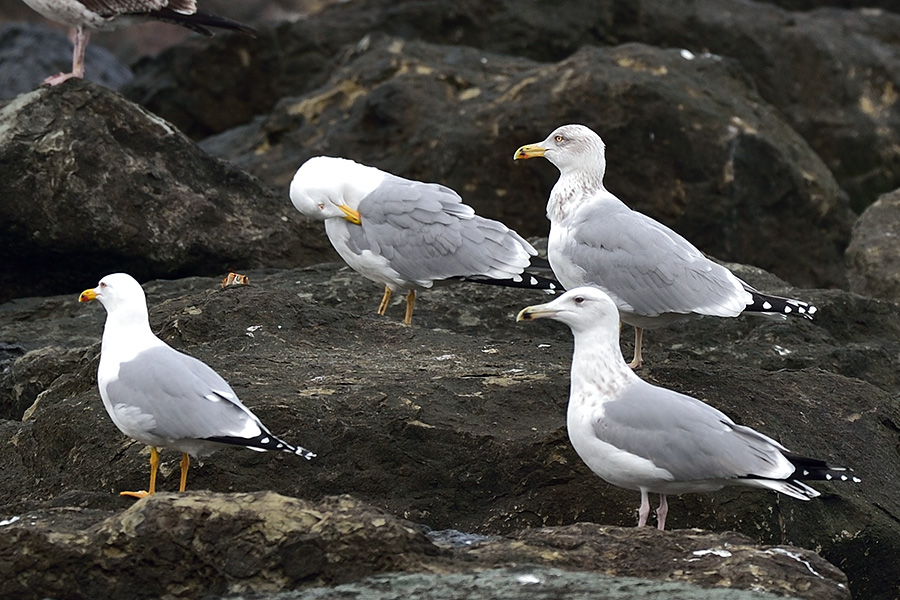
x: 661, y: 512
x: 81, y: 40
x: 637, y: 361
x: 644, y: 511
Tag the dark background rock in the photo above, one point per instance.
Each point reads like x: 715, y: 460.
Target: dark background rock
x: 722, y: 168
x: 92, y: 184
x: 874, y: 250
x: 832, y: 73
x: 458, y: 421
x: 31, y: 53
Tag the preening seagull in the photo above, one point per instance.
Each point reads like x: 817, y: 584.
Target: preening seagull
x: 408, y: 235
x: 654, y: 275
x: 639, y: 436
x: 86, y: 15
x: 161, y: 397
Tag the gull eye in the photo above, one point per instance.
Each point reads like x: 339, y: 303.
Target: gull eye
x: 578, y: 299
x: 559, y: 138
x: 102, y: 285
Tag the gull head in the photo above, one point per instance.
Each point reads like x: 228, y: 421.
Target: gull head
x: 580, y: 308
x: 325, y: 187
x: 117, y: 292
x: 570, y: 148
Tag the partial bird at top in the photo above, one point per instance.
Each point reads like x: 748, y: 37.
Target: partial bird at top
x: 408, y: 235
x: 639, y: 436
x: 653, y: 274
x: 86, y: 15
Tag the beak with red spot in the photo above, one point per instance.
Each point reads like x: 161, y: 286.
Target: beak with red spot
x: 88, y: 295
x: 529, y: 151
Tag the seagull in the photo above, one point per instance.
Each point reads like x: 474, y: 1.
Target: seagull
x: 86, y: 15
x: 161, y: 397
x: 653, y: 274
x: 639, y: 436
x: 408, y: 235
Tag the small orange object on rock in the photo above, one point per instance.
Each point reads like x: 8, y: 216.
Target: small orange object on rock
x: 235, y: 279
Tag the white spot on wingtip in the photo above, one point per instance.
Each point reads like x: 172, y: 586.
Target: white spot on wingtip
x: 533, y: 281
x: 767, y: 306
x: 265, y: 440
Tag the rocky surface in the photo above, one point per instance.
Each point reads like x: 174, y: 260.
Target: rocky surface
x: 91, y: 183
x: 752, y: 130
x: 874, y: 249
x: 831, y: 73
x: 458, y: 421
x: 261, y: 543
x: 722, y: 169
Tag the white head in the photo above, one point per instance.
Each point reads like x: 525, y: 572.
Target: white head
x: 582, y: 309
x: 324, y: 183
x: 121, y: 295
x: 570, y: 148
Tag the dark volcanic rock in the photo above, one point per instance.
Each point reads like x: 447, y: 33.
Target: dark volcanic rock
x: 174, y: 546
x: 874, y: 248
x: 832, y: 73
x: 91, y: 183
x: 458, y: 421
x: 722, y: 169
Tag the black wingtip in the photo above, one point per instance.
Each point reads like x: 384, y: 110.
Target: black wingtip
x: 526, y: 281
x: 200, y: 20
x: 812, y: 469
x: 776, y: 305
x: 265, y: 441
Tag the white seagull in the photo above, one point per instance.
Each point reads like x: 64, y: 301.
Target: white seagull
x: 408, y: 235
x: 86, y: 15
x: 653, y: 274
x: 639, y: 436
x: 161, y: 397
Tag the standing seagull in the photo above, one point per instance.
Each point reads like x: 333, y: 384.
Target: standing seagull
x: 655, y: 276
x: 638, y: 436
x: 408, y: 235
x: 161, y: 397
x: 85, y: 15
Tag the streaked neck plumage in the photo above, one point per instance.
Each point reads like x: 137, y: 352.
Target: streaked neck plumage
x: 577, y: 185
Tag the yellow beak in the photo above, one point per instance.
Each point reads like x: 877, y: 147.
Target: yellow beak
x: 529, y: 151
x: 87, y: 296
x: 538, y: 311
x: 350, y: 214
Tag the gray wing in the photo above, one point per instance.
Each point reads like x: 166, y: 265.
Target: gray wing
x: 185, y: 398
x: 427, y: 234
x: 688, y: 438
x: 648, y: 266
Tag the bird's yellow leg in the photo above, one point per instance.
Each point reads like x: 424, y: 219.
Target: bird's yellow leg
x: 384, y: 301
x: 185, y: 465
x: 154, y: 465
x: 637, y: 361
x: 410, y: 302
